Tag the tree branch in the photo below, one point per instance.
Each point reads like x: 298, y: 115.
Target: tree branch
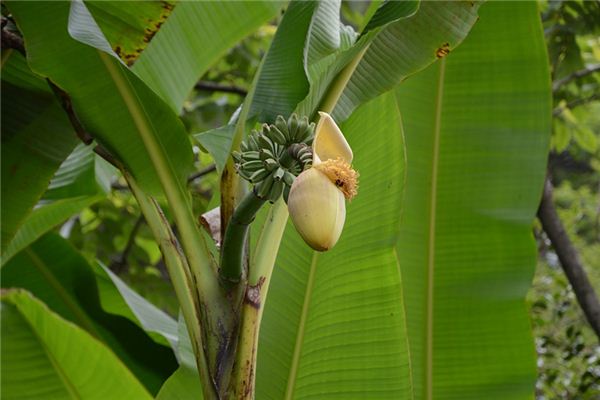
x: 201, y: 173
x: 190, y: 179
x: 11, y: 40
x: 122, y: 259
x: 218, y: 87
x: 575, y: 75
x: 569, y: 259
x: 576, y: 103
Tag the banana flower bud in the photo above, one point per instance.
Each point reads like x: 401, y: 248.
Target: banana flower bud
x: 317, y: 198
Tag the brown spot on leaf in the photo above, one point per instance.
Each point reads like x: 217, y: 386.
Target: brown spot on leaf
x: 129, y: 52
x: 443, y: 51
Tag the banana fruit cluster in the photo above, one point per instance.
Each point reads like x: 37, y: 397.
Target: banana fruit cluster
x: 272, y: 158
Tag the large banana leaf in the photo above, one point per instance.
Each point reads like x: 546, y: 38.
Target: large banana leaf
x: 44, y: 218
x: 477, y: 129
x: 404, y: 47
x: 82, y: 179
x: 46, y: 357
x: 129, y: 26
x: 182, y: 385
x: 282, y: 82
x: 75, y: 177
x: 115, y: 106
x: 54, y: 272
x: 334, y: 322
x: 36, y: 138
x: 194, y: 36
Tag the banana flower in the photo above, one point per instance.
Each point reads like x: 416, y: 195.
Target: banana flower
x: 317, y: 198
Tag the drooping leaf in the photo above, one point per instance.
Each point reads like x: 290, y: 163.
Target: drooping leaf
x: 76, y: 176
x: 324, y: 36
x: 334, y: 325
x: 44, y: 218
x: 56, y: 274
x: 44, y: 356
x: 195, y: 35
x: 404, y: 47
x: 129, y: 26
x: 218, y: 143
x: 282, y: 82
x: 36, y: 138
x: 115, y: 106
x: 324, y: 73
x: 147, y: 315
x: 477, y: 130
x: 182, y: 385
x: 82, y: 179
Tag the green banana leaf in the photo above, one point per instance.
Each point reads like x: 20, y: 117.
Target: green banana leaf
x: 184, y: 384
x: 33, y: 145
x: 46, y: 357
x: 76, y: 176
x: 82, y: 179
x: 129, y: 26
x: 323, y: 74
x: 115, y: 106
x: 218, y: 143
x: 192, y: 39
x: 160, y: 326
x: 282, y: 82
x: 43, y: 219
x: 334, y: 322
x: 58, y: 275
x: 477, y: 129
x: 404, y: 46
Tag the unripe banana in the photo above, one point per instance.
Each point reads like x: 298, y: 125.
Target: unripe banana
x: 270, y: 164
x: 278, y: 136
x: 293, y: 126
x: 251, y: 155
x: 278, y: 175
x: 288, y: 178
x: 276, y: 190
x: 282, y: 125
x: 265, y: 187
x: 265, y: 155
x: 259, y: 175
x: 252, y: 166
x: 266, y: 143
x: 252, y: 142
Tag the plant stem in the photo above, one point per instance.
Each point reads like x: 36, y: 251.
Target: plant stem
x: 230, y: 181
x: 217, y: 316
x: 260, y: 271
x: 232, y: 251
x: 180, y: 277
x: 339, y: 83
x: 261, y: 266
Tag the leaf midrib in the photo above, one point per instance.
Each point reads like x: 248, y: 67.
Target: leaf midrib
x: 69, y: 386
x: 291, y: 383
x: 432, y: 226
x: 83, y: 320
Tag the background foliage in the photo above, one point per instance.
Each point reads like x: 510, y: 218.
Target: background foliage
x: 112, y: 230
x: 568, y: 350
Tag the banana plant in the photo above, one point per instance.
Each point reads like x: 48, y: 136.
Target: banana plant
x: 328, y: 272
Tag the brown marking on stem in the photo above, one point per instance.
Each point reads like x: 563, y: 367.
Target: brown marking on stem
x: 253, y: 293
x: 443, y: 51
